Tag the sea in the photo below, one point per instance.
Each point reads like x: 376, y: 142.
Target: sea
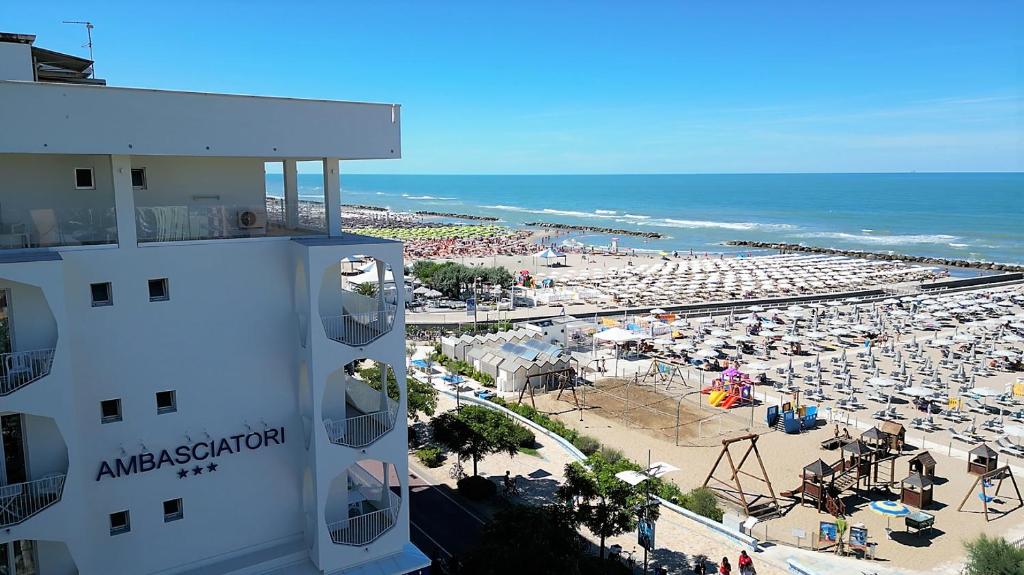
x: 976, y: 216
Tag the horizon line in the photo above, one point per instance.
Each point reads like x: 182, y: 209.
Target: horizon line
x: 979, y: 172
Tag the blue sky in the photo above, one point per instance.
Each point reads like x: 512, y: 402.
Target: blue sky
x: 596, y: 87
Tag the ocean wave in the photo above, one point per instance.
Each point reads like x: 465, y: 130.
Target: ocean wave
x: 636, y: 217
x: 889, y: 240
x: 702, y: 224
x: 553, y: 212
x: 952, y: 245
x: 408, y: 197
x: 606, y: 212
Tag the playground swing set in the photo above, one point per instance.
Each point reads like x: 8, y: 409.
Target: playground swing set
x: 983, y: 462
x: 731, y: 489
x: 665, y: 372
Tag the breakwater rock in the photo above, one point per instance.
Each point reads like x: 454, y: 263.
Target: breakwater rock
x: 458, y: 216
x: 364, y: 207
x: 595, y: 229
x: 878, y: 256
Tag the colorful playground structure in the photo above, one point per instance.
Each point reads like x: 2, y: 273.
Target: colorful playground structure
x: 732, y: 389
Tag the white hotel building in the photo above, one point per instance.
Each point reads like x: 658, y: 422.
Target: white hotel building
x: 175, y: 358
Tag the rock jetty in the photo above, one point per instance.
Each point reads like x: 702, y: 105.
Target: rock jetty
x: 364, y: 207
x: 558, y: 226
x: 878, y: 256
x: 458, y: 216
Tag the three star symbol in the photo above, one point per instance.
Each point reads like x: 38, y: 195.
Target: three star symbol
x: 197, y: 470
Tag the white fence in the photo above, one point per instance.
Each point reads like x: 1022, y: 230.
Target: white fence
x: 362, y: 430
x: 359, y: 329
x: 19, y: 501
x: 21, y: 368
x: 363, y: 529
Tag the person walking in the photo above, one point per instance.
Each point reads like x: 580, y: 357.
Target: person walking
x: 746, y: 564
x: 724, y: 568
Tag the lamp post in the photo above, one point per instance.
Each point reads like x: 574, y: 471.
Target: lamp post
x: 634, y: 478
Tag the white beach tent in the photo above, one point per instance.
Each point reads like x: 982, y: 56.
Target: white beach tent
x: 548, y: 254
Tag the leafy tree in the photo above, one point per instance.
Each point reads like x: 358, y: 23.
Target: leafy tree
x: 475, y: 432
x: 523, y: 539
x: 993, y: 556
x: 424, y: 270
x: 600, y: 501
x: 422, y: 397
x: 367, y: 289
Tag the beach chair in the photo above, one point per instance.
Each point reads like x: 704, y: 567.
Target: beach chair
x: 961, y: 437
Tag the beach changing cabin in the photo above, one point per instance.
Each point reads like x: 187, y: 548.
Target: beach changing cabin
x: 916, y: 490
x: 924, y: 464
x: 982, y: 459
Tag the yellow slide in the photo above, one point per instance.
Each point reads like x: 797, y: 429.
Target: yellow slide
x: 716, y: 397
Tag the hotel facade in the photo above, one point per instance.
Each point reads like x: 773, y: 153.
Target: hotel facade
x: 183, y: 359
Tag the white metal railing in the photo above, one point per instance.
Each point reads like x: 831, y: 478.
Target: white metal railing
x: 359, y: 328
x: 362, y: 430
x: 21, y: 368
x: 19, y: 501
x: 365, y: 528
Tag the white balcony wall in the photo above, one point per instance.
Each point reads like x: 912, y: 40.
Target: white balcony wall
x: 80, y: 119
x: 46, y: 451
x: 54, y: 558
x: 38, y: 193
x: 177, y: 181
x: 32, y: 324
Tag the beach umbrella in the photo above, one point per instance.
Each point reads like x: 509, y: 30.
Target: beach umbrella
x: 889, y: 509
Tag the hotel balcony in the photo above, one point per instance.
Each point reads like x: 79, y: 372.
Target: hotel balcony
x: 356, y: 414
x: 25, y: 493
x: 28, y: 335
x: 368, y: 303
x: 370, y: 507
x: 20, y: 368
x: 56, y: 201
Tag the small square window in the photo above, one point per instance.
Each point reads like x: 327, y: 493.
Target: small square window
x: 166, y: 401
x: 173, y: 510
x: 139, y: 178
x: 102, y: 294
x: 84, y: 179
x: 158, y: 290
x: 120, y: 522
x: 110, y: 410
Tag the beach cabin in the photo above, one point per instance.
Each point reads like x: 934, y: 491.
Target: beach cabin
x: 895, y: 433
x: 924, y: 464
x: 916, y: 490
x: 981, y: 460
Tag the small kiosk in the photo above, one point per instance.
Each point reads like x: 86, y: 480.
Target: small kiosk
x: 916, y: 490
x: 982, y: 459
x: 924, y: 464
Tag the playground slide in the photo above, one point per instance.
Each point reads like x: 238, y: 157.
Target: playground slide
x: 716, y: 397
x: 729, y: 401
x: 793, y: 493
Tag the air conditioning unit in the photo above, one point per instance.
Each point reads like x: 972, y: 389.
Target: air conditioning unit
x: 251, y: 219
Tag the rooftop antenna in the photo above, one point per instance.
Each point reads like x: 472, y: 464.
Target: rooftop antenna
x: 88, y: 31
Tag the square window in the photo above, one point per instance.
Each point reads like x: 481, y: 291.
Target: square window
x: 158, y: 290
x: 173, y: 510
x: 102, y: 294
x: 139, y: 178
x: 84, y: 179
x: 166, y: 402
x: 120, y: 522
x: 110, y: 410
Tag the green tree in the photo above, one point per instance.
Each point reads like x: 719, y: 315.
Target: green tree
x: 993, y: 556
x: 523, y: 539
x: 423, y: 270
x: 600, y: 501
x: 422, y: 397
x: 367, y: 289
x: 475, y: 432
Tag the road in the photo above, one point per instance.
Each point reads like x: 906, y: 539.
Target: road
x: 438, y: 522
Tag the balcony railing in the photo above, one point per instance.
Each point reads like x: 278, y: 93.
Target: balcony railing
x: 310, y: 215
x: 364, y: 529
x: 20, y: 368
x: 358, y: 329
x: 362, y: 430
x: 19, y: 501
x: 56, y: 227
